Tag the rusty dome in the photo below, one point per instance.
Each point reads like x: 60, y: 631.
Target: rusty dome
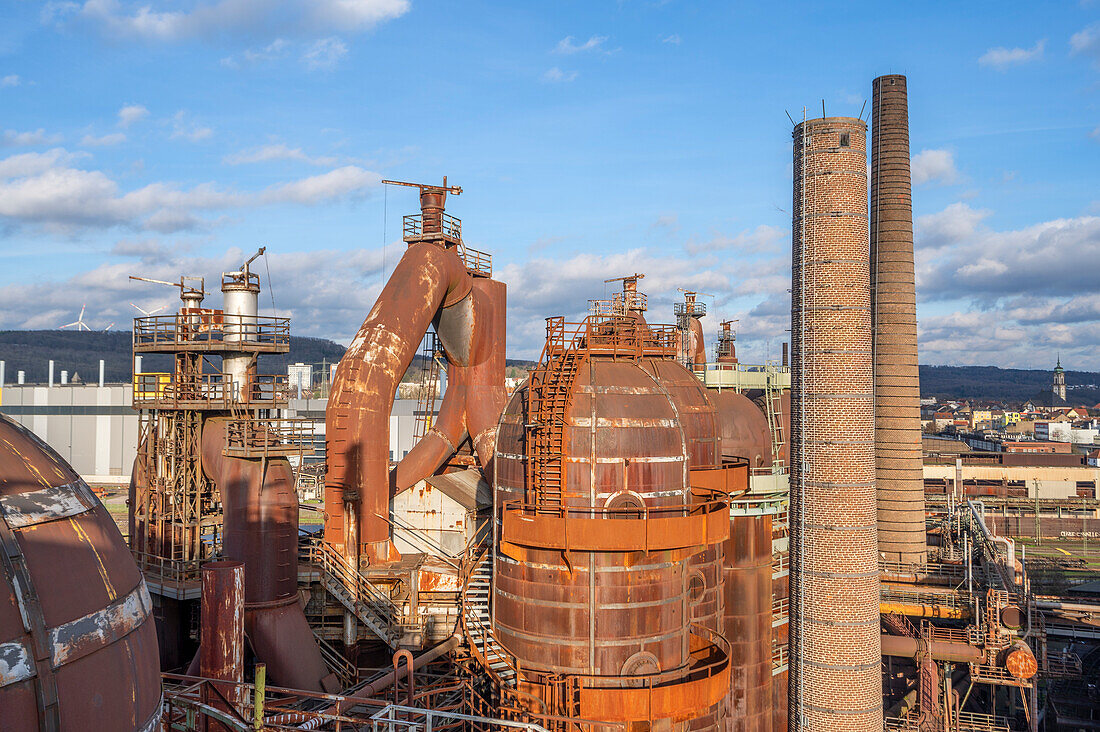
x: 78, y: 647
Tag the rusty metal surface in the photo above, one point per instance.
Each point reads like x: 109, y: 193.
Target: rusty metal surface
x: 596, y: 610
x: 747, y: 621
x: 221, y: 646
x: 431, y: 284
x: 742, y: 429
x: 77, y: 642
x: 260, y: 529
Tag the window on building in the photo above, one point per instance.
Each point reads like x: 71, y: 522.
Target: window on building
x: 845, y: 139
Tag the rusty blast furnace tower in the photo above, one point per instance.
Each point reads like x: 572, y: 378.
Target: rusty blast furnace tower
x: 835, y: 654
x: 899, y: 463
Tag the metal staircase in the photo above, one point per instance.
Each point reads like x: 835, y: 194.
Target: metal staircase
x: 370, y: 605
x: 477, y: 589
x: 549, y: 395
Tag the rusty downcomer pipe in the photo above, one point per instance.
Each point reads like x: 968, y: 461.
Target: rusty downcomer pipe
x: 221, y: 644
x: 427, y: 278
x: 260, y: 529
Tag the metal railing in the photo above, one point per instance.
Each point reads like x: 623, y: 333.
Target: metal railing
x: 610, y: 335
x: 413, y: 225
x: 400, y: 718
x: 476, y: 261
x: 211, y: 330
x: 206, y: 391
x: 255, y: 437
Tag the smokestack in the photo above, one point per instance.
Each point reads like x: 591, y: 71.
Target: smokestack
x: 102, y: 368
x: 51, y: 372
x: 835, y: 651
x: 899, y: 462
x: 2, y: 366
x: 64, y: 377
x: 786, y: 358
x: 20, y: 377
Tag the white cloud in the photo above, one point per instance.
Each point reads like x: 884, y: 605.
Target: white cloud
x: 163, y: 21
x: 189, y: 130
x: 130, y: 114
x: 13, y: 138
x: 556, y: 75
x: 324, y: 54
x: 10, y: 80
x: 1087, y: 41
x: 47, y: 189
x: 276, y: 151
x: 673, y: 39
x: 1001, y: 58
x: 934, y: 165
x: 568, y: 45
x: 110, y: 139
x: 953, y: 225
x: 272, y: 51
x: 761, y: 239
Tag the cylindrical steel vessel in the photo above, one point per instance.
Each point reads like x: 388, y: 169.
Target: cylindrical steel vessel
x: 835, y: 680
x: 240, y: 307
x: 632, y: 433
x: 748, y: 621
x: 78, y: 648
x: 898, y: 457
x: 623, y: 447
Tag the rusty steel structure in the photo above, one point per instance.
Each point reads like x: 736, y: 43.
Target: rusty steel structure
x: 439, y: 282
x: 726, y: 348
x: 212, y: 478
x: 898, y: 459
x: 221, y: 649
x: 835, y: 679
x: 78, y: 646
x: 693, y: 351
x: 610, y: 452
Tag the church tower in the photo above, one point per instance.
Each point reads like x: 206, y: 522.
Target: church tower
x: 1060, y: 379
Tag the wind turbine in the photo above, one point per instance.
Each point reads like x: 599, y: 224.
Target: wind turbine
x: 145, y: 312
x: 80, y: 324
x: 112, y: 325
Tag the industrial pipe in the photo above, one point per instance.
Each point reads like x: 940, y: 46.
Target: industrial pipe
x: 260, y: 529
x: 430, y: 284
x: 905, y: 647
x: 372, y: 689
x: 221, y: 642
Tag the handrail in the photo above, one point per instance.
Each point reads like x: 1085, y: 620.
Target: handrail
x: 209, y: 329
x: 476, y: 552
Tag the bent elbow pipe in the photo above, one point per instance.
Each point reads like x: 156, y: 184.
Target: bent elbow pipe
x: 260, y: 529
x: 427, y: 278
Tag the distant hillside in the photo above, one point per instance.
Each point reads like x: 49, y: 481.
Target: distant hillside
x: 79, y: 354
x: 996, y: 384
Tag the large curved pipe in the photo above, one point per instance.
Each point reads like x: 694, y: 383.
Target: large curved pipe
x: 472, y: 333
x: 427, y: 278
x: 260, y: 528
x: 697, y: 350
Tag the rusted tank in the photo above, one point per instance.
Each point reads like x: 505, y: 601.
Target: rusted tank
x: 585, y: 588
x: 78, y: 647
x: 747, y: 625
x: 742, y: 428
x: 221, y: 652
x: 260, y: 529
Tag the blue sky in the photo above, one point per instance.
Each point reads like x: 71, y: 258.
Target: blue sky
x: 592, y: 140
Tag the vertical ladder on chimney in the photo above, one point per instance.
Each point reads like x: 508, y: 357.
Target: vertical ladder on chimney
x: 773, y: 394
x: 549, y: 395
